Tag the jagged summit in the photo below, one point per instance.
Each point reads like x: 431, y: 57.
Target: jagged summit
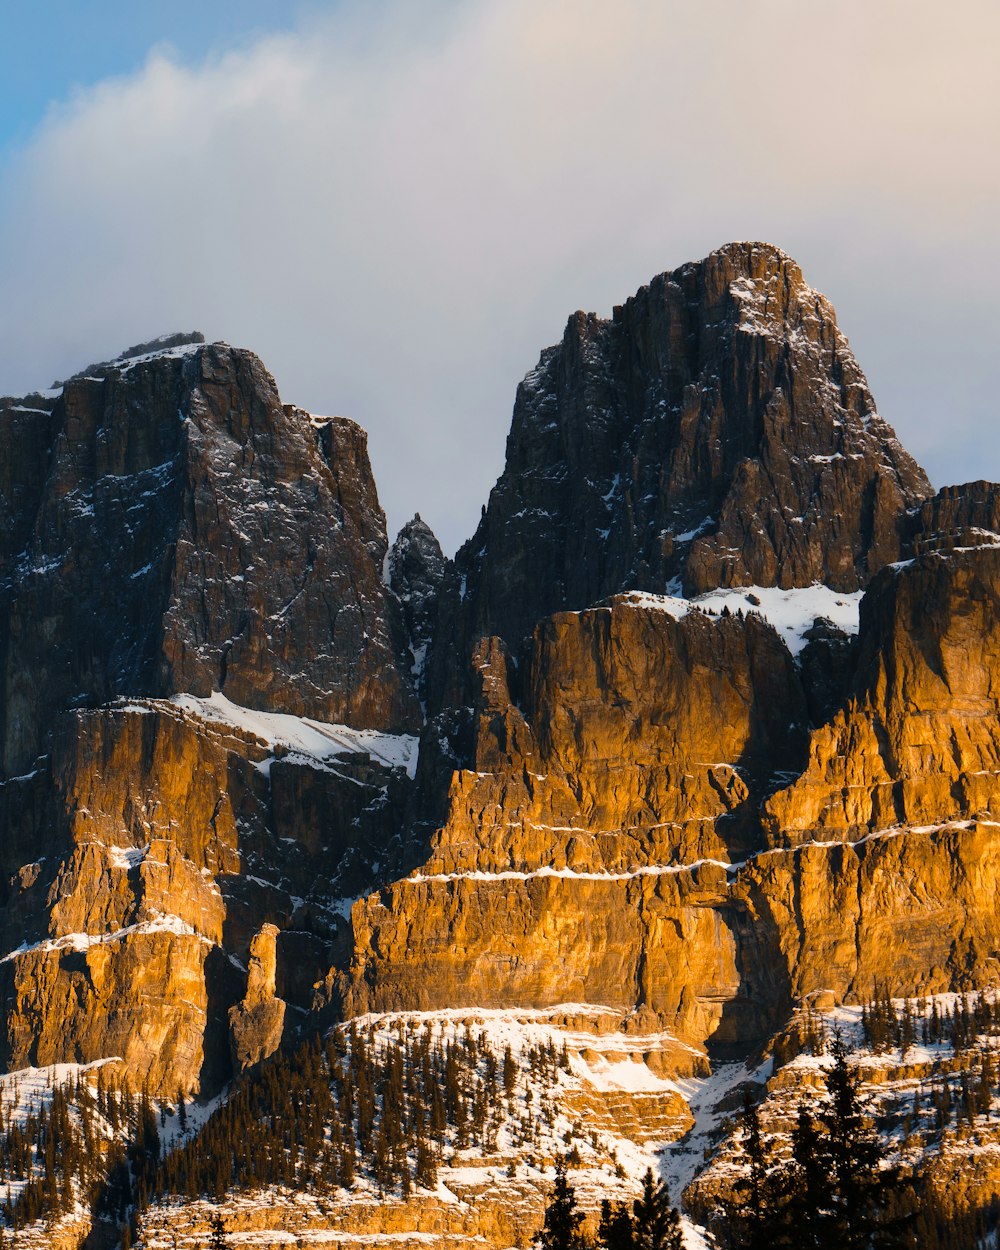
x: 163, y: 343
x: 742, y: 253
x: 715, y: 431
x: 417, y: 572
x: 171, y: 527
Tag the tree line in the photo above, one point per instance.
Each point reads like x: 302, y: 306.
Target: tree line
x: 389, y: 1108
x: 837, y: 1188
x: 334, y: 1110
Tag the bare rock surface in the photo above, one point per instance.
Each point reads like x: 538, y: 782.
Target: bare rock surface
x: 256, y: 1023
x: 171, y: 527
x: 678, y: 820
x: 716, y: 431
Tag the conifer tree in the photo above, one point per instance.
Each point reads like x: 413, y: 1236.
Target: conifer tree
x: 810, y: 1200
x: 752, y: 1213
x: 509, y: 1073
x: 656, y: 1224
x: 561, y: 1230
x: 862, y: 1189
x: 615, y: 1231
x: 182, y: 1117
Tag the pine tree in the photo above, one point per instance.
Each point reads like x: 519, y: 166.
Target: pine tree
x: 182, y: 1116
x: 615, y: 1231
x: 656, y: 1224
x: 809, y: 1209
x: 218, y: 1241
x: 561, y: 1230
x: 987, y: 1080
x: 752, y: 1212
x: 509, y: 1073
x: 865, y: 1192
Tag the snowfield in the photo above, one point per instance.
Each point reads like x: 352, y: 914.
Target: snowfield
x: 792, y: 613
x: 311, y: 740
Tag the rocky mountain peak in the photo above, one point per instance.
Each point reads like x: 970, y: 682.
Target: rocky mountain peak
x: 417, y: 572
x: 716, y: 431
x: 154, y: 347
x: 172, y: 528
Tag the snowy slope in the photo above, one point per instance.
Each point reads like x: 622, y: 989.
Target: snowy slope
x: 791, y: 612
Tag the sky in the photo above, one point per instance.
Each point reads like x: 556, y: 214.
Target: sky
x: 398, y: 203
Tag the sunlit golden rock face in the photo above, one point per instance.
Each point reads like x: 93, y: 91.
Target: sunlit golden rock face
x: 170, y: 888
x: 122, y: 909
x: 256, y: 1024
x: 573, y: 865
x: 918, y: 742
x: 562, y: 872
x: 637, y: 805
x: 642, y: 740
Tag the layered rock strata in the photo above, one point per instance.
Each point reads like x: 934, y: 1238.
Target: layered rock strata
x: 171, y: 527
x: 648, y: 807
x: 918, y: 741
x: 717, y: 431
x: 177, y: 880
x: 608, y: 843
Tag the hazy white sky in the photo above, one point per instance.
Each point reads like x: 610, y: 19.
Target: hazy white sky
x: 398, y: 204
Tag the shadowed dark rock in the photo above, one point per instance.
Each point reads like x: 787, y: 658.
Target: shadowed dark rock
x: 717, y: 431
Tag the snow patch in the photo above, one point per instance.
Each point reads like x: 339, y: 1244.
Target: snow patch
x: 569, y: 874
x: 84, y: 941
x: 164, y: 353
x: 792, y: 613
x: 299, y: 735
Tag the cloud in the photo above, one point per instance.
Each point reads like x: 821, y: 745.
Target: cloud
x: 397, y: 206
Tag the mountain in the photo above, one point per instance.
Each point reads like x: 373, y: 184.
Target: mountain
x: 697, y: 736
x: 717, y: 431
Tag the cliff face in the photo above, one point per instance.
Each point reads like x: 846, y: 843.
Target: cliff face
x: 562, y: 871
x: 675, y: 774
x: 184, y: 870
x: 621, y: 840
x: 918, y: 742
x: 717, y: 431
x: 172, y: 528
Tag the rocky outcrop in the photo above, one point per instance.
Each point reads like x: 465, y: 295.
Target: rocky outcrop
x: 717, y: 431
x: 256, y: 1023
x: 958, y: 516
x: 607, y: 842
x: 918, y: 743
x: 584, y: 854
x: 914, y: 912
x: 418, y: 571
x: 170, y: 527
x: 170, y: 851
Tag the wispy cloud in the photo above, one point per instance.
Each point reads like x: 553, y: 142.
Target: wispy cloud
x: 398, y: 205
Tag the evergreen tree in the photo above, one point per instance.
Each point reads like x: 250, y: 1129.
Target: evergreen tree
x: 863, y: 1188
x: 753, y: 1213
x: 809, y: 1206
x: 182, y: 1118
x: 656, y: 1224
x: 561, y: 1230
x: 509, y: 1073
x: 615, y: 1231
